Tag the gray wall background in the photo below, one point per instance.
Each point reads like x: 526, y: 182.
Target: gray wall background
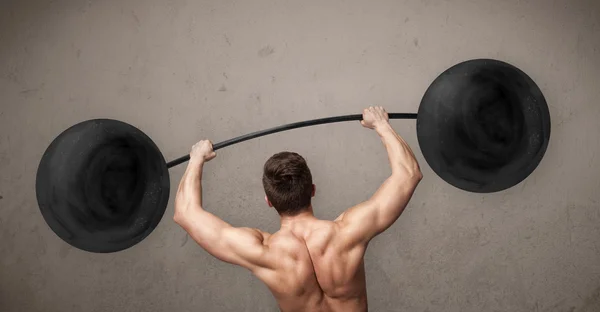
x: 187, y: 70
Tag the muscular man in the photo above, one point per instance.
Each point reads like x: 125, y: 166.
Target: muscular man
x: 309, y: 264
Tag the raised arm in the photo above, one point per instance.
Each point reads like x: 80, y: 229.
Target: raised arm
x: 240, y: 246
x: 364, y: 221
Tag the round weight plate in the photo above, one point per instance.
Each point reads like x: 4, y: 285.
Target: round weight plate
x: 483, y: 125
x: 102, y: 185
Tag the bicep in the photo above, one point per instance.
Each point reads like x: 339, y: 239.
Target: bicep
x: 366, y: 220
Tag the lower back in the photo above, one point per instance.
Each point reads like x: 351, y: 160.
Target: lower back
x: 358, y: 304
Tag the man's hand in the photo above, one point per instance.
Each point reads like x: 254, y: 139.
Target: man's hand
x: 202, y: 151
x: 374, y: 117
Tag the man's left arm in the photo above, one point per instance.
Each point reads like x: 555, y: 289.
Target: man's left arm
x: 240, y: 246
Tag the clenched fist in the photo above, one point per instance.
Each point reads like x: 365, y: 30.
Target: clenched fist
x: 202, y: 151
x: 373, y: 117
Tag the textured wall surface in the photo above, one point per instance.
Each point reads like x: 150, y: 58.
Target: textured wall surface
x: 187, y: 70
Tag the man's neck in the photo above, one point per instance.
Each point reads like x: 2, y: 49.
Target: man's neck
x: 307, y: 215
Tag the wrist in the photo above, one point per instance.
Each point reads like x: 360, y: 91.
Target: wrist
x: 382, y: 127
x: 198, y: 162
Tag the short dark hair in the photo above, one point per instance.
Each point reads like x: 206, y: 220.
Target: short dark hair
x: 288, y: 183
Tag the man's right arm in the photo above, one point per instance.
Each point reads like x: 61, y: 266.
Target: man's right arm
x: 364, y: 221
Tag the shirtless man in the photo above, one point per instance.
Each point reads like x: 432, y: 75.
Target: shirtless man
x: 309, y: 264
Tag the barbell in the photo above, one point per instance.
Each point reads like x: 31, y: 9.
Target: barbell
x: 102, y: 185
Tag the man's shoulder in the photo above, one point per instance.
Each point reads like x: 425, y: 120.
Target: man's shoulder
x: 322, y: 235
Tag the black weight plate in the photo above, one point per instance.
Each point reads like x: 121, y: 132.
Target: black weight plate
x: 102, y: 185
x: 483, y: 125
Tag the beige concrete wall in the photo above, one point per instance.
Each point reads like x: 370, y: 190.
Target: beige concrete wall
x: 186, y: 70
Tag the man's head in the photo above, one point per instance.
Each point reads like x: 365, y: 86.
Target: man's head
x: 288, y: 183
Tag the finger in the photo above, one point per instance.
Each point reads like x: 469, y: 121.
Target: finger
x: 362, y: 122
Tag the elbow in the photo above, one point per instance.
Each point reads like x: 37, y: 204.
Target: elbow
x: 185, y: 211
x: 413, y: 172
x: 180, y: 214
x: 414, y: 178
x: 177, y: 213
x: 178, y: 218
x: 182, y: 219
x: 412, y: 175
x: 417, y: 176
x: 182, y: 206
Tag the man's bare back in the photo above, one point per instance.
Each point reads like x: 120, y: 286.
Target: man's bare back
x: 314, y: 272
x: 309, y: 264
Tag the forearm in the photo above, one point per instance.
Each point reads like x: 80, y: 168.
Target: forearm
x: 402, y: 159
x: 189, y: 193
x: 202, y: 225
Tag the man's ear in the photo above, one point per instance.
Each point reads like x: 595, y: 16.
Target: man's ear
x: 268, y: 202
x: 314, y: 190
